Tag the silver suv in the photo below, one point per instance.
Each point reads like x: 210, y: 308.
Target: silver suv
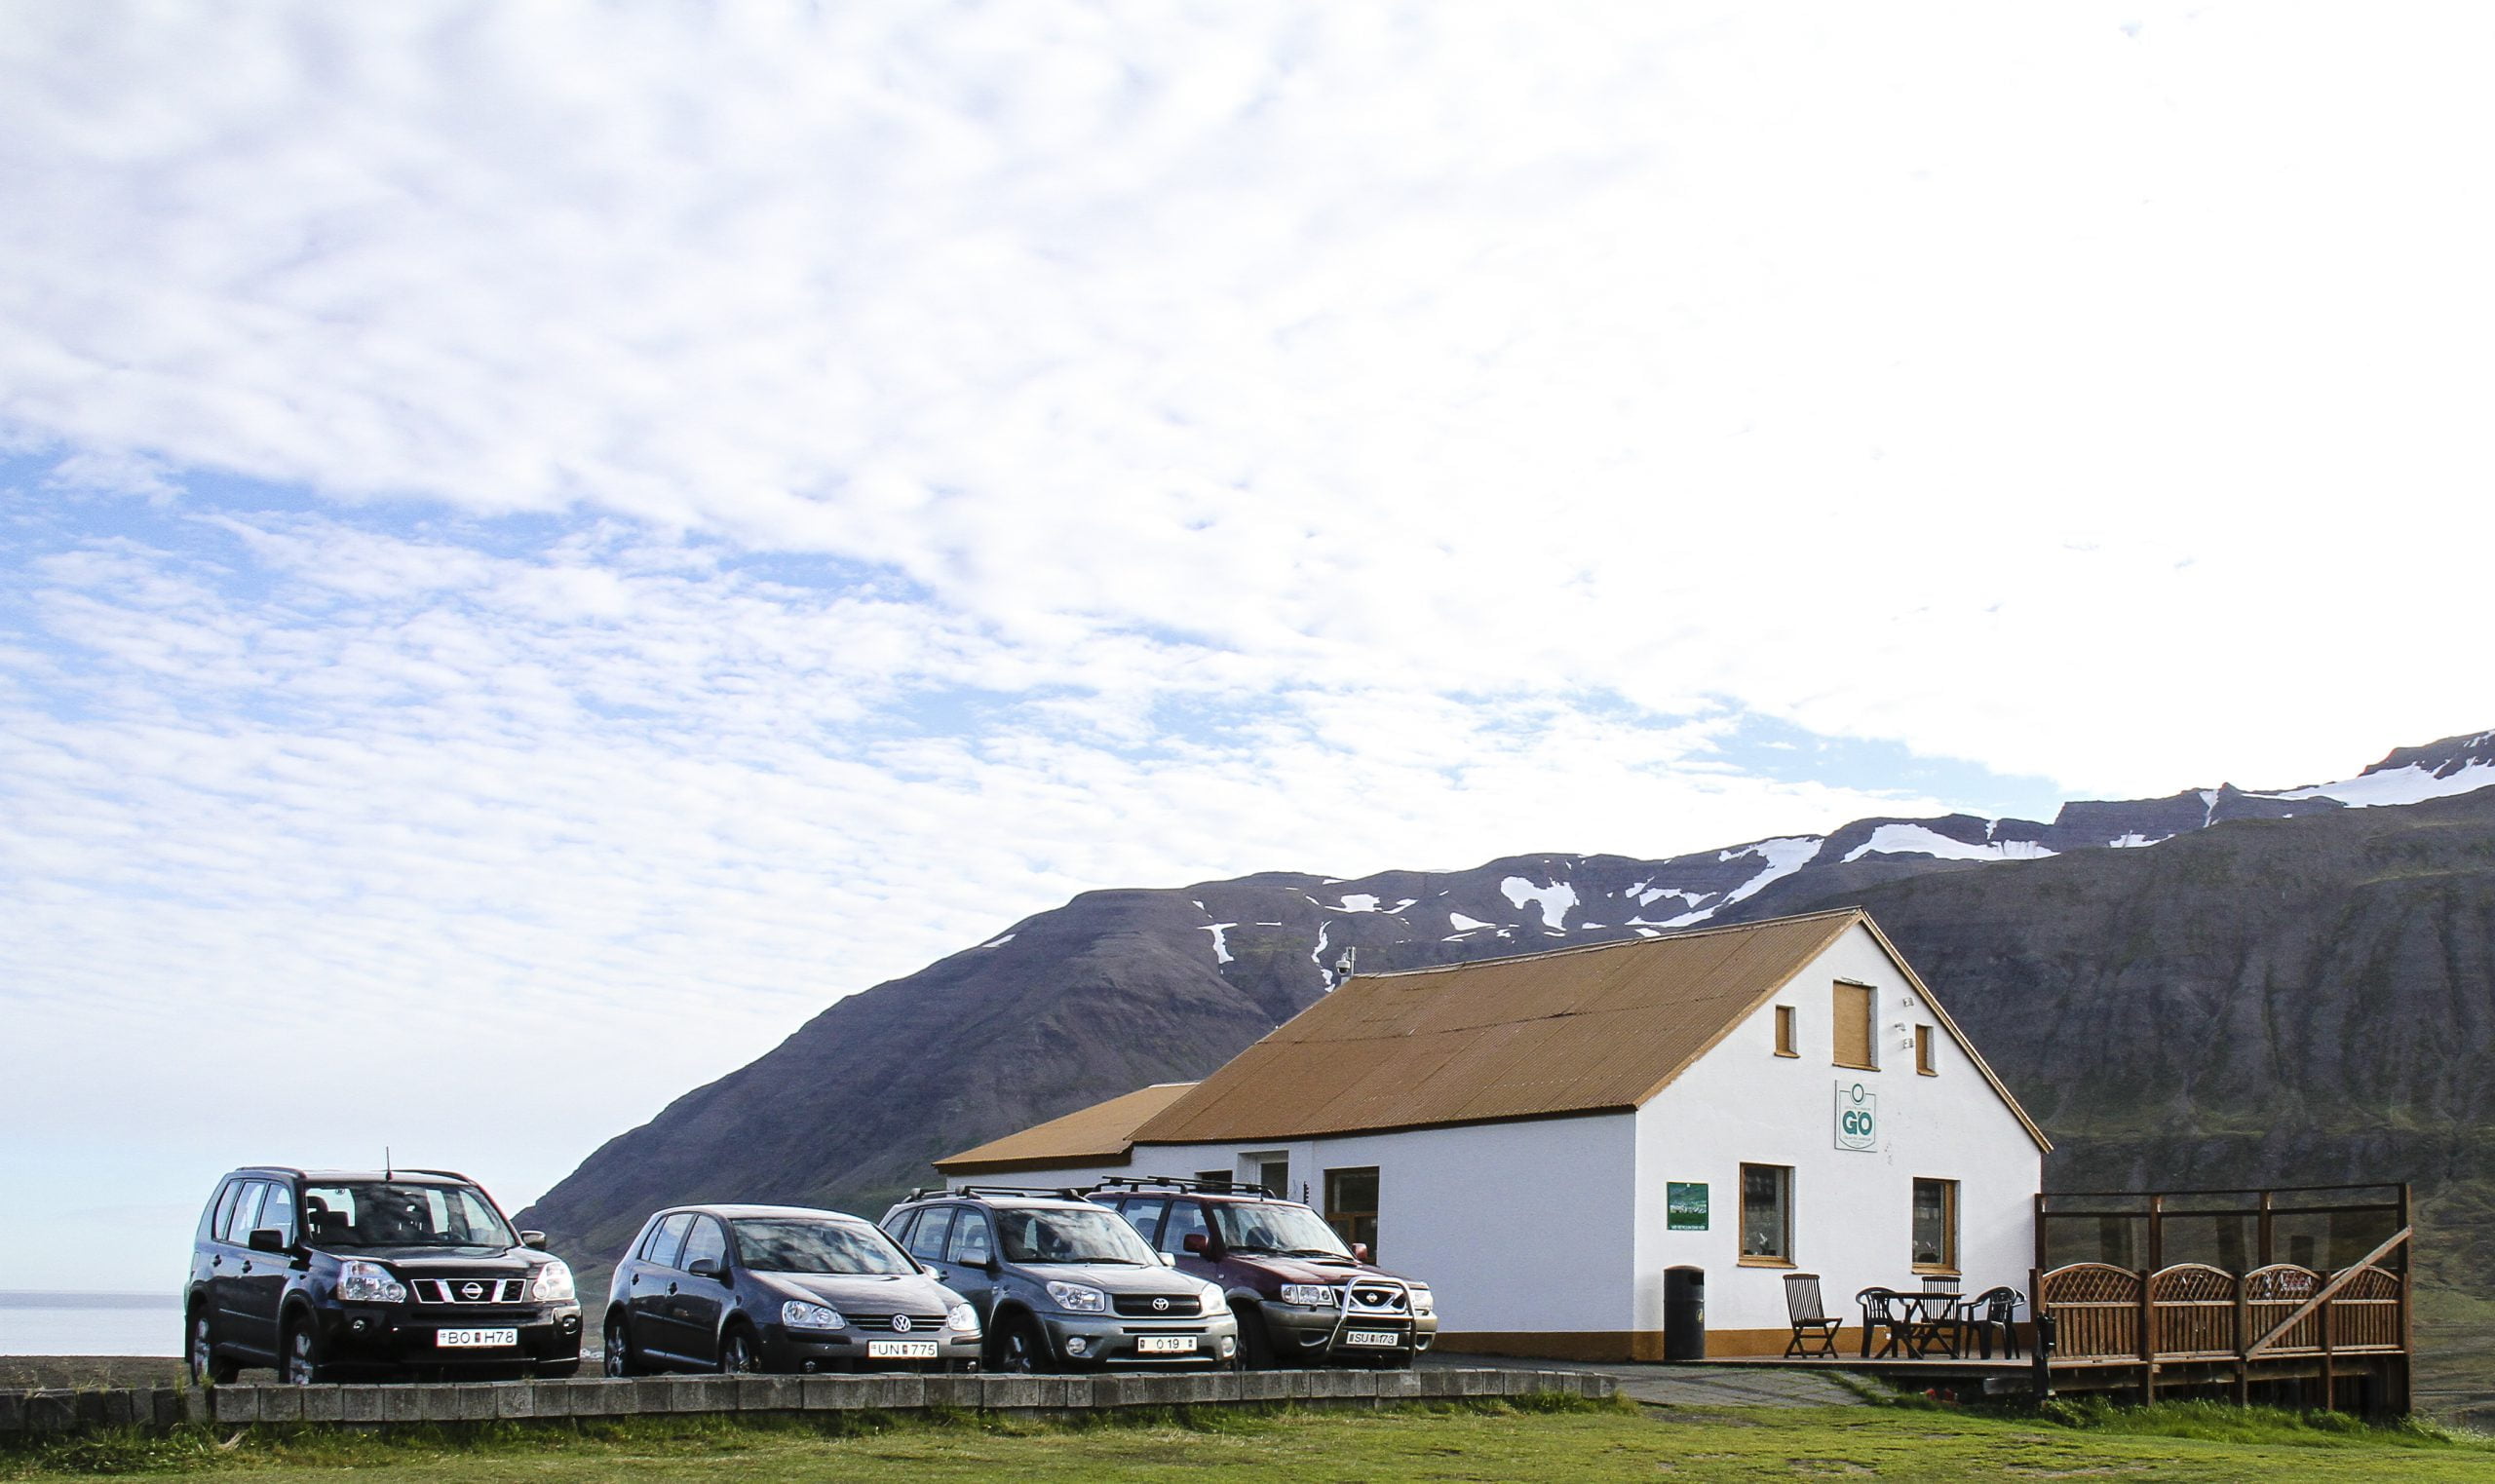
x: 1061, y: 1283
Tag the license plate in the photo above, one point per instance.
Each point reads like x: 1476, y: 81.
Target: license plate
x: 1379, y: 1337
x: 474, y: 1339
x: 900, y: 1350
x: 1165, y: 1344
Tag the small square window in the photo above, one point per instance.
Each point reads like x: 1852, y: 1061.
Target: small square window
x: 1785, y: 1039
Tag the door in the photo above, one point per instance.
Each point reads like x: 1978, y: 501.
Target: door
x: 265, y: 1274
x: 1187, y: 1219
x: 654, y: 1284
x: 702, y: 1303
x: 928, y: 1241
x: 243, y: 1321
x: 966, y: 1259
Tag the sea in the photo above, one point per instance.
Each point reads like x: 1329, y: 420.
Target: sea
x: 89, y: 1323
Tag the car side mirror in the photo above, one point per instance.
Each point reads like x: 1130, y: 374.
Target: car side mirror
x: 1196, y: 1243
x: 1168, y: 1259
x: 1359, y: 1252
x: 267, y: 1240
x: 704, y: 1267
x: 535, y: 1239
x: 928, y: 1270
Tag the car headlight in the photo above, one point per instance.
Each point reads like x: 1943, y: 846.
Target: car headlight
x: 1215, y: 1298
x: 1079, y: 1298
x: 963, y: 1317
x: 1422, y: 1300
x: 1317, y: 1294
x: 553, y: 1283
x: 364, y: 1282
x: 796, y: 1314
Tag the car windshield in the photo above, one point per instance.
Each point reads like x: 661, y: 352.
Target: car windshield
x: 788, y: 1245
x: 1274, y: 1227
x: 377, y: 1214
x: 1095, y: 1235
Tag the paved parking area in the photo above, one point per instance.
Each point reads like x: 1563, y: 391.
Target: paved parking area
x: 1692, y: 1386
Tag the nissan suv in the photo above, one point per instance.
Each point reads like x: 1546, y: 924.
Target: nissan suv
x: 1060, y: 1284
x: 327, y: 1274
x: 1303, y: 1297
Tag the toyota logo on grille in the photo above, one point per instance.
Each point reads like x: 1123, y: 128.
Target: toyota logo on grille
x: 471, y: 1290
x: 901, y: 1324
x: 1159, y: 1306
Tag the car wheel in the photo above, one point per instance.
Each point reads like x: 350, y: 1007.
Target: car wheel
x: 618, y: 1361
x: 1020, y: 1349
x: 304, y: 1354
x: 737, y: 1355
x: 1255, y: 1348
x: 206, y: 1366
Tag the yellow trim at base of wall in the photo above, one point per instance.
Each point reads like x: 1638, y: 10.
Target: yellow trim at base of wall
x: 1604, y: 1344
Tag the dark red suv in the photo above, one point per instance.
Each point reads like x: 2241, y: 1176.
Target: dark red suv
x: 1302, y: 1295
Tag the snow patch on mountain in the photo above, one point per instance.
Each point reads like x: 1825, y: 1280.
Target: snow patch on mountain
x: 1557, y: 901
x: 2411, y: 784
x: 1784, y: 855
x: 2134, y: 841
x: 1220, y: 940
x: 1359, y: 901
x: 1463, y: 924
x: 1917, y: 840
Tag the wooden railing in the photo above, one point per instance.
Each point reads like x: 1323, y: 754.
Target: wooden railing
x: 2194, y: 1311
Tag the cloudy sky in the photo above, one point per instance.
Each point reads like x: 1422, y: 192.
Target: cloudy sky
x: 541, y: 544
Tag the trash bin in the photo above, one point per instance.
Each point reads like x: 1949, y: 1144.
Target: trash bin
x: 1684, y: 1313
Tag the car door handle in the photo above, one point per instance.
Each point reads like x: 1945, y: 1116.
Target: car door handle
x: 670, y: 1288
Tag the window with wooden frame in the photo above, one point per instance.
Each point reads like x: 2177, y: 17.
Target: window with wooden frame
x: 1767, y: 1216
x: 1849, y: 1006
x: 1350, y: 1205
x: 1785, y: 1039
x: 1935, y: 1226
x: 1923, y: 1051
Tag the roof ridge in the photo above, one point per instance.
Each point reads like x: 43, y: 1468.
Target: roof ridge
x: 1683, y: 935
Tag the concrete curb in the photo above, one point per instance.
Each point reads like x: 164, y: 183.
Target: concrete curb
x: 161, y: 1408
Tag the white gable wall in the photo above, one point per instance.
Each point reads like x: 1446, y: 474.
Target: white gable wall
x: 1851, y: 1210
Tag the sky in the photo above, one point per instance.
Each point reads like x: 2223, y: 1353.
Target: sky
x: 542, y: 545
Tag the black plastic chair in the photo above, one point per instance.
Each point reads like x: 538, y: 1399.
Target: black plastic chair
x: 1991, y: 1310
x: 1814, y: 1332
x: 1880, y: 1311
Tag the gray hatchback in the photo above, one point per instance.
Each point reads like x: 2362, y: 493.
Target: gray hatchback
x: 1060, y: 1284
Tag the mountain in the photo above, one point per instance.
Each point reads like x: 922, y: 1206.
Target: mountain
x: 2219, y: 987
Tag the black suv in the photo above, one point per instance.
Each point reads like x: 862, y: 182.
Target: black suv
x: 1061, y: 1284
x: 1302, y: 1296
x: 779, y: 1288
x: 327, y: 1273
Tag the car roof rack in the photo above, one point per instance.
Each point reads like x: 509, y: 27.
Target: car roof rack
x: 1035, y: 1192
x: 1175, y: 1183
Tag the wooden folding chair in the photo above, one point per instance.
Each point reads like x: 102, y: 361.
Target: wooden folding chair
x: 1813, y: 1331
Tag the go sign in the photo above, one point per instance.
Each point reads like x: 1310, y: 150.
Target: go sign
x: 1858, y: 1117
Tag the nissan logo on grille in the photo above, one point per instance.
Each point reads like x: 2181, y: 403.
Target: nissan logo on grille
x: 1159, y: 1306
x: 901, y: 1324
x: 472, y: 1291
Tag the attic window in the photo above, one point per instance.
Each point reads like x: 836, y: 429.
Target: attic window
x: 1923, y: 1051
x: 1851, y: 1029
x: 1785, y: 1042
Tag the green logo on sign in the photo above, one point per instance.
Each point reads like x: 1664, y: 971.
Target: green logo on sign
x: 1685, y: 1206
x: 1858, y: 1123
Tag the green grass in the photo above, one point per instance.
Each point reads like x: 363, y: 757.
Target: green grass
x: 1572, y: 1443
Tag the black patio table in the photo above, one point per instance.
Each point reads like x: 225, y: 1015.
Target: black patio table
x: 1932, y: 1322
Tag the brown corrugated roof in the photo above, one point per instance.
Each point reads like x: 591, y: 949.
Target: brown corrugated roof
x: 1579, y: 1030
x: 1096, y: 1135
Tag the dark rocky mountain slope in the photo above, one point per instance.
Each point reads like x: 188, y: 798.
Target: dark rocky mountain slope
x: 2287, y: 985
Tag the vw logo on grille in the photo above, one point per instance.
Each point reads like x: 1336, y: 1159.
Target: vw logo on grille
x: 1159, y: 1306
x: 471, y: 1290
x: 901, y: 1324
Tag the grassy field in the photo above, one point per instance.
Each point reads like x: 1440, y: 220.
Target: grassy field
x: 1586, y: 1442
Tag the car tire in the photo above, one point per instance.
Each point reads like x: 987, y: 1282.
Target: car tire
x: 1020, y: 1349
x: 206, y: 1366
x: 1256, y: 1347
x: 300, y: 1350
x: 739, y: 1355
x: 618, y: 1361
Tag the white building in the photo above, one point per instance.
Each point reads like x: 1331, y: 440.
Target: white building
x: 1541, y: 1137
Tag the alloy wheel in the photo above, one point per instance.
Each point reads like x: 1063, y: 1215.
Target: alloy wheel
x: 617, y: 1363
x: 736, y: 1353
x: 302, y: 1362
